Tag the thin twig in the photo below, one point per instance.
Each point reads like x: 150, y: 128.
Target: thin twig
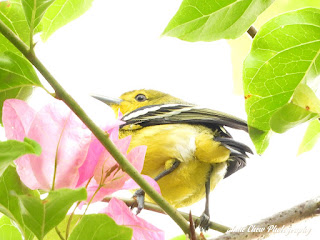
x: 155, y: 208
x: 252, y: 31
x: 280, y: 220
x: 59, y: 233
x: 99, y: 133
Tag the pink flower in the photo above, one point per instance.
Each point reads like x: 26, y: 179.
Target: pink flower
x: 142, y: 230
x: 64, y: 139
x: 71, y: 155
x: 107, y: 172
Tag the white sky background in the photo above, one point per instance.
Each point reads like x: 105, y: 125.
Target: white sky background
x: 116, y: 47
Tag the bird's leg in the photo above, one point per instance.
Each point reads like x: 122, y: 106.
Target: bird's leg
x: 139, y: 194
x: 205, y: 216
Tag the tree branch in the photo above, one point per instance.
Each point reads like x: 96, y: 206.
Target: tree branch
x: 252, y: 31
x: 155, y: 208
x: 285, y: 218
x: 99, y: 133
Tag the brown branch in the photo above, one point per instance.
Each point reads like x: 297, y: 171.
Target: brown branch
x: 155, y: 208
x: 252, y: 31
x: 281, y: 220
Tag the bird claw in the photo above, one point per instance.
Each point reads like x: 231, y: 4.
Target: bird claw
x: 204, y: 222
x: 139, y: 197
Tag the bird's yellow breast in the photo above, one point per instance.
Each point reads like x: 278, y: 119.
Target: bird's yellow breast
x: 193, y: 146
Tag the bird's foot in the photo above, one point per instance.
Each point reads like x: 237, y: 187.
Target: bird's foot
x: 139, y: 197
x: 204, y: 223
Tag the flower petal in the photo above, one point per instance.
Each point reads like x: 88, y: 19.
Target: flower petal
x: 142, y: 230
x: 17, y: 118
x: 64, y: 139
x: 136, y: 157
x: 92, y: 188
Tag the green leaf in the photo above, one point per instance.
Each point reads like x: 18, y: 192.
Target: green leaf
x: 8, y: 231
x: 13, y: 149
x: 17, y: 78
x: 200, y: 20
x: 283, y: 52
x: 260, y: 139
x: 10, y: 188
x: 240, y: 47
x: 311, y: 137
x: 306, y: 98
x: 52, y: 235
x: 40, y: 216
x: 34, y: 10
x: 60, y: 13
x: 100, y: 227
x: 12, y: 14
x: 181, y: 237
x: 289, y: 116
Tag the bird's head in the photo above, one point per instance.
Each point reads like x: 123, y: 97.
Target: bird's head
x: 132, y: 100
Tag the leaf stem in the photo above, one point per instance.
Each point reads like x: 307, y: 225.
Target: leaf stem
x: 252, y: 31
x: 59, y: 233
x: 99, y: 133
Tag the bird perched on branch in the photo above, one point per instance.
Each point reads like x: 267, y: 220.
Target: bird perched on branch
x: 188, y: 149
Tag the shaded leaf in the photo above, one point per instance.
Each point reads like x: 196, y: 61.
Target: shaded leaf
x: 289, y: 116
x: 260, y: 139
x: 62, y: 227
x: 311, y: 137
x: 17, y: 78
x: 8, y: 231
x: 60, y: 13
x: 40, y: 216
x: 99, y: 227
x: 305, y: 98
x: 12, y: 15
x: 13, y: 149
x: 11, y: 187
x: 200, y: 20
x: 34, y: 10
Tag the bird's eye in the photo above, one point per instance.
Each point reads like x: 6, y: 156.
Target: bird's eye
x: 141, y: 97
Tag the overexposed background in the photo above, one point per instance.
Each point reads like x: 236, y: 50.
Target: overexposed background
x: 116, y: 47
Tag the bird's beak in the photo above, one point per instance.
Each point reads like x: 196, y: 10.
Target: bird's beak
x: 107, y: 100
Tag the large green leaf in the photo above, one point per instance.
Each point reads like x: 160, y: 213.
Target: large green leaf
x: 60, y: 13
x: 311, y: 136
x: 10, y: 188
x: 240, y: 47
x: 201, y: 20
x: 100, y: 227
x: 17, y: 78
x: 11, y: 13
x: 13, y: 149
x: 283, y: 54
x: 40, y: 216
x: 34, y: 10
x: 7, y: 230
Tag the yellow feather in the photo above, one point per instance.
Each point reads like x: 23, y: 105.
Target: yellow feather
x: 192, y: 145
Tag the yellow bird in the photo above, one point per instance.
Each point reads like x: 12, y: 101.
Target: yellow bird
x: 188, y: 149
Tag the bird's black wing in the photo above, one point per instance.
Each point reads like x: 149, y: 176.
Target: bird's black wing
x: 183, y: 113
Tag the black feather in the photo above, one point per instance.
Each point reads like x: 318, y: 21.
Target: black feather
x: 181, y: 113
